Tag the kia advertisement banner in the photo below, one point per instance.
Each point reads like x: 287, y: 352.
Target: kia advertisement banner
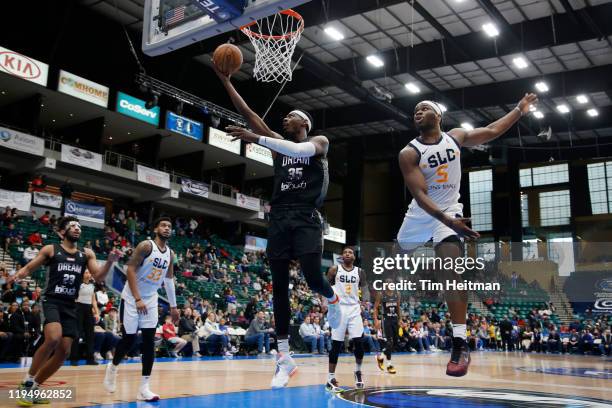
x: 21, y: 66
x: 135, y: 108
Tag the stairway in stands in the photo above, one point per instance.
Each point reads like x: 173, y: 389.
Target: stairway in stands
x: 561, y: 302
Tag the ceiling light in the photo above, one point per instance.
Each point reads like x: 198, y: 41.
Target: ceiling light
x: 129, y: 133
x: 375, y: 60
x: 53, y: 120
x: 582, y: 99
x: 334, y: 33
x: 412, y: 88
x: 72, y: 115
x: 467, y: 126
x: 532, y: 108
x: 490, y: 29
x: 563, y: 108
x: 538, y: 115
x: 542, y: 86
x: 593, y: 112
x: 442, y: 107
x: 3, y: 92
x: 520, y: 63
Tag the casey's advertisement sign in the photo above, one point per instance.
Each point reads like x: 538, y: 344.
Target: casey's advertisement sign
x: 23, y: 67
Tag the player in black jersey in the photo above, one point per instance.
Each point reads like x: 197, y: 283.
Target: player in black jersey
x: 65, y: 267
x: 295, y: 230
x: 390, y: 301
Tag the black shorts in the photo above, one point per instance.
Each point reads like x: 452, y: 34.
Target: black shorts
x: 390, y: 328
x: 63, y: 312
x: 294, y: 232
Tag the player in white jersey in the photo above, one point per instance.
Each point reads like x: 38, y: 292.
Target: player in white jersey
x: 150, y: 266
x: 431, y: 168
x: 347, y: 280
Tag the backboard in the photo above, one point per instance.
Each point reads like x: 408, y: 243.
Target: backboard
x: 173, y: 24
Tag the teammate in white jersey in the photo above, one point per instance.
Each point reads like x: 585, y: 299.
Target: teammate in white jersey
x: 347, y: 280
x: 149, y: 267
x: 431, y: 168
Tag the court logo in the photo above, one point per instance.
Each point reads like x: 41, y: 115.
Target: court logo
x: 600, y: 374
x: 464, y: 398
x: 603, y: 305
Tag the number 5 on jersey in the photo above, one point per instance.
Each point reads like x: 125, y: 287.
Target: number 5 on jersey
x: 442, y: 173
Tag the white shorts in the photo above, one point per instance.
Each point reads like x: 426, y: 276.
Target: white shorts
x: 132, y: 320
x: 351, y: 320
x: 419, y: 227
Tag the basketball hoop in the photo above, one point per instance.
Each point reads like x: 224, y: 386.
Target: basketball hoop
x: 274, y: 38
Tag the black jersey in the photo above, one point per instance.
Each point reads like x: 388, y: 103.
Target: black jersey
x: 65, y: 274
x: 390, y: 305
x: 300, y: 181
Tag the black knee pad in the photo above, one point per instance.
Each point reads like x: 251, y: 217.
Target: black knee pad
x: 335, y: 351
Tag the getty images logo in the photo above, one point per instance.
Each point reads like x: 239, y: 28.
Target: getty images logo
x: 137, y: 109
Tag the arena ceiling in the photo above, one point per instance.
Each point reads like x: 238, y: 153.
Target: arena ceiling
x: 441, y: 49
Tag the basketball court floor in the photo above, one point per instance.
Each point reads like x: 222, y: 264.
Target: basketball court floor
x: 496, y: 379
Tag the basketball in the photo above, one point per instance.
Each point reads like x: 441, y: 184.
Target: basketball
x: 227, y: 58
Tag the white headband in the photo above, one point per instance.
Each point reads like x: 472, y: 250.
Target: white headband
x: 433, y: 105
x: 303, y: 116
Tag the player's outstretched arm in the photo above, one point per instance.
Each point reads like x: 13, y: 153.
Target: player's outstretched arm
x: 483, y: 135
x: 415, y: 181
x: 331, y: 274
x: 140, y: 253
x: 171, y: 290
x: 315, y: 146
x: 45, y: 254
x: 254, y: 120
x: 99, y: 274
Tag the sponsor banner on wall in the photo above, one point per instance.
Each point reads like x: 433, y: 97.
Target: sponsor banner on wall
x: 15, y: 199
x: 222, y: 140
x: 251, y: 203
x: 82, y: 88
x: 21, y: 141
x: 259, y: 153
x: 252, y: 243
x: 134, y: 107
x: 23, y: 67
x: 185, y: 126
x: 152, y: 176
x: 85, y: 211
x: 47, y: 200
x: 81, y: 157
x: 336, y: 235
x: 194, y: 187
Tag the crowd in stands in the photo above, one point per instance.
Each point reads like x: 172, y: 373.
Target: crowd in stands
x: 226, y: 303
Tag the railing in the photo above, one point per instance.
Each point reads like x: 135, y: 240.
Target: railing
x: 123, y: 162
x: 222, y: 189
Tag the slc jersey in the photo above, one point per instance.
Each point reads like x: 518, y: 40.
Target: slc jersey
x: 440, y: 164
x: 150, y: 275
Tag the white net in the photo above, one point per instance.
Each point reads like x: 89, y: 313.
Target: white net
x: 274, y: 39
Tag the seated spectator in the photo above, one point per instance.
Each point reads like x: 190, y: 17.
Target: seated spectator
x: 35, y: 239
x: 554, y: 341
x: 370, y: 338
x: 23, y: 291
x: 188, y: 330
x: 606, y: 343
x: 45, y: 218
x: 571, y: 345
x: 586, y: 342
x: 216, y: 338
x: 29, y: 253
x: 106, y: 335
x: 8, y: 295
x: 10, y: 236
x: 169, y: 333
x: 52, y: 220
x: 311, y: 338
x: 258, y: 334
x: 37, y: 294
x: 6, y: 336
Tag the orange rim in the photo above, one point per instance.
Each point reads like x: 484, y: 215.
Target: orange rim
x: 287, y: 12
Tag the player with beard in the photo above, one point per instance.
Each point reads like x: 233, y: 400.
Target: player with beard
x: 431, y: 168
x: 150, y: 266
x: 295, y: 230
x: 66, y: 265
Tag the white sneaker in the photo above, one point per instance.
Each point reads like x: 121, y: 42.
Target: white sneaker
x: 234, y: 349
x: 228, y: 354
x: 334, y: 314
x: 109, y: 355
x: 98, y: 356
x: 145, y: 394
x: 110, y: 378
x: 285, y: 368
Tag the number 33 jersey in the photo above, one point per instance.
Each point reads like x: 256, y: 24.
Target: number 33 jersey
x: 441, y: 165
x: 150, y: 274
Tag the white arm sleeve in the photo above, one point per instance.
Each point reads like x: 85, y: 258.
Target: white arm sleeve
x: 170, y: 291
x: 287, y: 148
